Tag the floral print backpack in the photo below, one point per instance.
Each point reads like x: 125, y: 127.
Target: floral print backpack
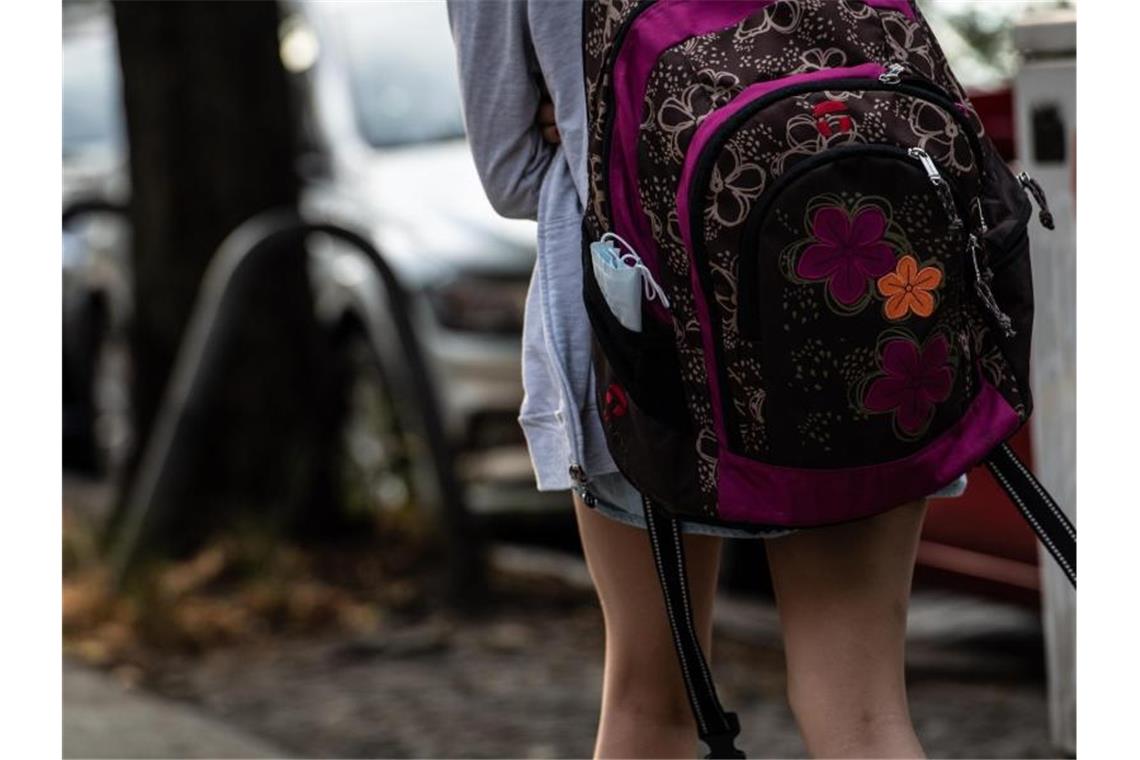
x: 838, y: 299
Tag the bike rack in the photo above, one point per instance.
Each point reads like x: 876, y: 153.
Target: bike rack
x: 85, y: 206
x: 217, y: 307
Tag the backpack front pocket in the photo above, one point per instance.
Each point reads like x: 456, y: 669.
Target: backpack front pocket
x: 850, y: 311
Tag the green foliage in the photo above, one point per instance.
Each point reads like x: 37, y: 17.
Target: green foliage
x: 985, y: 27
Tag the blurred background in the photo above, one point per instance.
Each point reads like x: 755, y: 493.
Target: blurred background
x: 299, y: 516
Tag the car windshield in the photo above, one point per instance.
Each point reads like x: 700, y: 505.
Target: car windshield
x: 92, y: 115
x: 402, y: 71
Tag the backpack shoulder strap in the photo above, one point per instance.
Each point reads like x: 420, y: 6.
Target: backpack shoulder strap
x: 1050, y: 524
x: 718, y: 729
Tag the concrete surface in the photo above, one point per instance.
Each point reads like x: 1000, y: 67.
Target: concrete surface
x: 523, y: 680
x: 103, y: 719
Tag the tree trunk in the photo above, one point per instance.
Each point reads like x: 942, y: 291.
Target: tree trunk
x: 211, y: 128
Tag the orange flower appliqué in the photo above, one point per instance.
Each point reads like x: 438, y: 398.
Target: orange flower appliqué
x: 909, y: 288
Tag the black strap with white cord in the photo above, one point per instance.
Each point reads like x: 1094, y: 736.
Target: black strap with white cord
x: 718, y: 729
x: 1046, y: 519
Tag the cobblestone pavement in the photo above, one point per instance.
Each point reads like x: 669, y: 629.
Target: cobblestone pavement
x: 524, y: 680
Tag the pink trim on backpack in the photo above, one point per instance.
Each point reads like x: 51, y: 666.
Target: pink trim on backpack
x: 900, y: 6
x: 750, y: 491
x: 656, y: 30
x: 704, y: 132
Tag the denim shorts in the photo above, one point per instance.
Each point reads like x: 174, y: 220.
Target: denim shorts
x: 613, y: 496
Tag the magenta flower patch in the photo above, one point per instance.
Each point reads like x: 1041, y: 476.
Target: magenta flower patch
x: 849, y: 253
x: 912, y: 383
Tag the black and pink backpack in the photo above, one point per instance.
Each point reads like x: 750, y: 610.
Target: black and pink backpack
x: 838, y: 303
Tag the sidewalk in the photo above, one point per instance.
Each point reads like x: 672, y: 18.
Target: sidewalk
x: 524, y: 679
x: 102, y: 719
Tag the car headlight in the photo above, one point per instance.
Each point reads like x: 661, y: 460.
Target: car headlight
x: 481, y: 304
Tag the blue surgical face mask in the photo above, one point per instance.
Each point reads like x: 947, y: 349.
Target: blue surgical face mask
x: 623, y: 279
x: 620, y: 284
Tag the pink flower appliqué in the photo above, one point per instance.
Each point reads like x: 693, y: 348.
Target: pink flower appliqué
x: 912, y: 382
x: 849, y: 253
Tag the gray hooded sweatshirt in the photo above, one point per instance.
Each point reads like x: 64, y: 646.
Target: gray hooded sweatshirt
x: 509, y: 50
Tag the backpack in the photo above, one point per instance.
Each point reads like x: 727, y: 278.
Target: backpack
x: 807, y: 274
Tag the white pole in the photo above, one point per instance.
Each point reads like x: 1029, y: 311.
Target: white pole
x: 1045, y: 95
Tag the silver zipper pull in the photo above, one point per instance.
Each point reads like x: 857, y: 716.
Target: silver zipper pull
x: 980, y: 213
x: 985, y: 294
x: 1034, y: 189
x: 940, y: 184
x: 893, y: 74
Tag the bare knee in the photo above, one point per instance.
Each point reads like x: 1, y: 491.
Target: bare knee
x: 647, y: 684
x: 838, y: 721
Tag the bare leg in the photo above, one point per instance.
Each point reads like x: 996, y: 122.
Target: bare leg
x: 842, y: 593
x: 645, y: 712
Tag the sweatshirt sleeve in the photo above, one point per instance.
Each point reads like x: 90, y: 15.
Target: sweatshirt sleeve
x: 500, y: 96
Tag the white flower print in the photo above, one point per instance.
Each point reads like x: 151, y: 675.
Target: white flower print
x: 782, y: 16
x: 721, y: 86
x: 940, y: 135
x: 734, y: 190
x: 804, y: 138
x: 724, y: 285
x: 817, y: 59
x: 858, y: 9
x: 681, y: 114
x: 678, y: 115
x: 901, y: 34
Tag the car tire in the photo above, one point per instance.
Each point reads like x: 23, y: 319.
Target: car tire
x: 388, y: 472
x: 97, y: 432
x: 377, y: 468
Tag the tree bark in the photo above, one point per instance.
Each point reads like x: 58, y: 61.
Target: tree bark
x: 211, y: 130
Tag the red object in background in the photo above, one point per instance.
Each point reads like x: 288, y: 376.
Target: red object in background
x: 996, y: 111
x: 980, y: 542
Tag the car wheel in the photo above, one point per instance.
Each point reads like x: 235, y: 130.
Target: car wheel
x: 97, y: 423
x: 114, y: 434
x: 379, y: 469
x: 389, y: 478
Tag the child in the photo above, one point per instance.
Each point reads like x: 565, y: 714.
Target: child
x: 842, y: 591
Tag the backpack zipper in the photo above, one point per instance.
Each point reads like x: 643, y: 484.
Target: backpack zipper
x: 929, y: 92
x: 941, y: 187
x: 893, y: 74
x: 982, y: 277
x: 707, y: 157
x: 1034, y: 189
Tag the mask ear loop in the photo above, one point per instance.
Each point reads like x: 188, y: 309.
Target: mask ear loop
x: 631, y: 259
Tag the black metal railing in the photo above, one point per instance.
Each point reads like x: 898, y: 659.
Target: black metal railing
x: 244, y: 254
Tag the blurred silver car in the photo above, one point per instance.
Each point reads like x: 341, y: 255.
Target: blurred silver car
x: 96, y: 286
x: 383, y: 153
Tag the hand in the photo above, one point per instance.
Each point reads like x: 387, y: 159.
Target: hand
x: 545, y: 121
